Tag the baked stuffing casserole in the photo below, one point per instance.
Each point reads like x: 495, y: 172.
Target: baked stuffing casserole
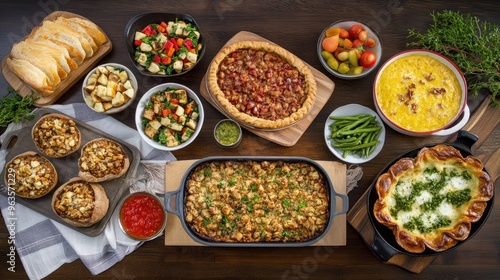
x: 80, y: 203
x: 56, y: 135
x: 30, y: 175
x: 101, y: 160
x: 256, y: 201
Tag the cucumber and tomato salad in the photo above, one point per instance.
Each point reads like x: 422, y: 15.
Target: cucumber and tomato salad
x: 167, y: 47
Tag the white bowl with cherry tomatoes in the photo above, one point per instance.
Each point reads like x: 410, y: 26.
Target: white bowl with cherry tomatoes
x: 349, y: 49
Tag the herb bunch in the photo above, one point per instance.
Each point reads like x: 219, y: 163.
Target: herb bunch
x: 15, y: 108
x: 473, y: 45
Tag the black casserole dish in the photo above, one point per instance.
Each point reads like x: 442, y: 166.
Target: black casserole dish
x: 255, y: 201
x: 386, y: 245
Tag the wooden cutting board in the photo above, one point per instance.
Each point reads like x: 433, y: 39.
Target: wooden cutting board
x: 175, y: 235
x: 482, y: 123
x: 289, y: 135
x: 73, y: 77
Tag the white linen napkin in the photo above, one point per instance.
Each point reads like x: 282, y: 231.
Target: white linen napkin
x: 44, y: 245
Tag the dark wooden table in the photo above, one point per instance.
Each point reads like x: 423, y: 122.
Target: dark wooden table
x: 296, y: 26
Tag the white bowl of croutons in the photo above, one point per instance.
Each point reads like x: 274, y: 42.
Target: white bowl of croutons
x: 109, y: 88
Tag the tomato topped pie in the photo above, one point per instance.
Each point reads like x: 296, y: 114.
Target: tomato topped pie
x: 261, y: 84
x: 56, y: 135
x: 102, y: 160
x: 430, y: 201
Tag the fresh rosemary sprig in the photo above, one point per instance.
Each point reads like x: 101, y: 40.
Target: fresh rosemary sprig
x: 473, y: 45
x: 15, y: 108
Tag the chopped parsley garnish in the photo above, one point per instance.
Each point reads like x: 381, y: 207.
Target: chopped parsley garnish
x: 408, y: 196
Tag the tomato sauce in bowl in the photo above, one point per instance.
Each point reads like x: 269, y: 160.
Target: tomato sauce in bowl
x: 142, y: 216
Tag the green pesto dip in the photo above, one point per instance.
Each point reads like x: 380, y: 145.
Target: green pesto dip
x: 227, y: 133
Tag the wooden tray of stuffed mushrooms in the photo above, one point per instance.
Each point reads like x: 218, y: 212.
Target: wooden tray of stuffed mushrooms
x: 21, y: 141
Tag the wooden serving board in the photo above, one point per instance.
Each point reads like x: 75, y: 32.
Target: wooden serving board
x: 175, y: 235
x: 482, y: 123
x: 73, y: 77
x: 290, y: 135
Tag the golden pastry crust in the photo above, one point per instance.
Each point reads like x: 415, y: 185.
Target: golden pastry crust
x: 30, y: 175
x: 278, y: 97
x: 432, y: 200
x: 56, y: 135
x: 80, y: 203
x: 101, y: 160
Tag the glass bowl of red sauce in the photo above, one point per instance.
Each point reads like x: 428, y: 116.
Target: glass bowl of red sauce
x: 142, y: 216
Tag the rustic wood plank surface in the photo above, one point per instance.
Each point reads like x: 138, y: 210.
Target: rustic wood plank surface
x: 295, y: 25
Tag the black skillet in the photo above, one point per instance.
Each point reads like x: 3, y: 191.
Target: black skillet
x: 384, y: 244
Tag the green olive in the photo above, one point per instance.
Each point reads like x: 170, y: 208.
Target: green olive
x: 343, y: 56
x: 353, y: 58
x: 356, y: 70
x: 343, y: 68
x: 330, y: 60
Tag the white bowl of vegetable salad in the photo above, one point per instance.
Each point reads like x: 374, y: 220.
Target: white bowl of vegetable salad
x: 164, y: 44
x: 169, y: 116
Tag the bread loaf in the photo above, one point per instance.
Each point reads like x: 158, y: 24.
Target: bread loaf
x: 52, y: 50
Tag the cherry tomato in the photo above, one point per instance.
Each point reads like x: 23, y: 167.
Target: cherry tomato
x: 354, y: 30
x: 363, y: 34
x: 369, y: 43
x: 367, y: 59
x: 357, y: 43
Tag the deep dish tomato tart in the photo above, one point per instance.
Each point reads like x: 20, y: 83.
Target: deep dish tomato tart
x: 261, y: 84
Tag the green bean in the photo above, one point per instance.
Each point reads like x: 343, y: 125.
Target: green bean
x: 356, y: 134
x: 358, y: 130
x: 346, y: 140
x: 360, y: 146
x: 349, y: 118
x: 357, y: 122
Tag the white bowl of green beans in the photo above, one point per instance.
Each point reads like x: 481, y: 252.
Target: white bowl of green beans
x: 354, y: 133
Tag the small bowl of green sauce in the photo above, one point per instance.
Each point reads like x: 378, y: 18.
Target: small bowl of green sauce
x: 227, y: 133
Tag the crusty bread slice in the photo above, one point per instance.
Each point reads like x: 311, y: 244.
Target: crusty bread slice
x: 55, y: 53
x: 41, y: 60
x: 92, y: 29
x: 31, y: 75
x: 53, y: 26
x: 57, y: 47
x: 78, y: 28
x: 68, y: 41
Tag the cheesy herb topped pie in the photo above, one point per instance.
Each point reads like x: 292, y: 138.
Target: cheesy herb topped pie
x: 102, y: 160
x: 431, y: 201
x: 261, y: 84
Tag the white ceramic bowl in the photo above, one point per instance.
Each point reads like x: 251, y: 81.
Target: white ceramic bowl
x: 346, y: 24
x: 140, y: 109
x: 451, y: 127
x: 351, y: 110
x: 117, y: 109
